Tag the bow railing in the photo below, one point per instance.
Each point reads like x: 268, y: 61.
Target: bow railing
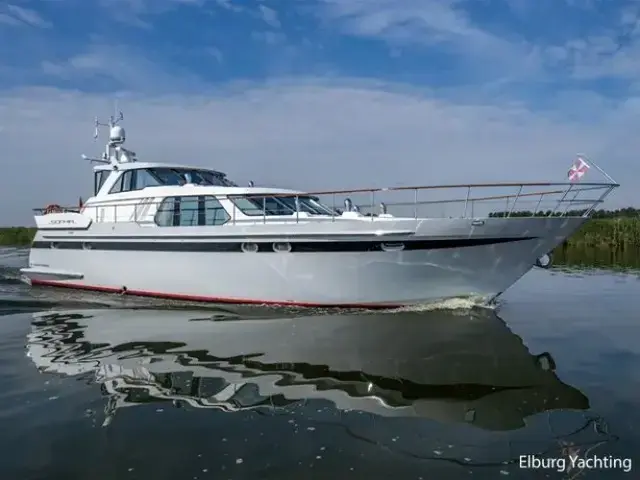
x: 233, y: 206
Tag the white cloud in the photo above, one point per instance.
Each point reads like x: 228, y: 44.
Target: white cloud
x: 270, y: 16
x: 137, y: 13
x: 270, y: 38
x: 131, y: 11
x: 21, y: 16
x: 437, y: 24
x: 216, y: 53
x: 123, y: 66
x: 310, y: 134
x: 610, y: 50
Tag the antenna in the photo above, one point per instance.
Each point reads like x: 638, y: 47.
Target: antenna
x: 115, y: 153
x: 113, y: 121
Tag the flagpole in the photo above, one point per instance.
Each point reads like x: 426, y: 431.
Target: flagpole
x: 591, y: 162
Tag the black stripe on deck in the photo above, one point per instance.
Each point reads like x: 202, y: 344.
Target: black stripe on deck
x: 265, y: 247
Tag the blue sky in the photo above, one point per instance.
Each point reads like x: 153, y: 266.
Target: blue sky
x: 321, y: 93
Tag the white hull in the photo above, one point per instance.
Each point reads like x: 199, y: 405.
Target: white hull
x: 432, y: 272
x: 448, y: 367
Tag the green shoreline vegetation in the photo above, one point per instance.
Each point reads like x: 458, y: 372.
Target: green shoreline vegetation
x: 613, y: 229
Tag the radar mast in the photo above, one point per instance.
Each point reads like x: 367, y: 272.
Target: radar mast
x: 114, y: 153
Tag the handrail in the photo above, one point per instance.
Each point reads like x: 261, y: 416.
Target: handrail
x: 332, y: 210
x: 435, y: 187
x: 134, y: 202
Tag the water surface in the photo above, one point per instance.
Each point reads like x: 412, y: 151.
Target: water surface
x: 112, y: 387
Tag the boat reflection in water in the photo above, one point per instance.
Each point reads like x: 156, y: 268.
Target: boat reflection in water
x: 443, y: 366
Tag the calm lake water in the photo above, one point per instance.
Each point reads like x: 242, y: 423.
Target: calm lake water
x: 110, y: 387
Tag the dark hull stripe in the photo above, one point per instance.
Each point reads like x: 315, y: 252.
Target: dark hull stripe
x: 265, y: 247
x: 274, y: 237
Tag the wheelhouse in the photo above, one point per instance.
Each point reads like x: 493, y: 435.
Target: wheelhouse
x: 133, y: 179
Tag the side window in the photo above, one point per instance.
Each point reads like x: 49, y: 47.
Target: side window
x: 98, y: 180
x: 190, y: 211
x: 123, y: 184
x: 214, y: 213
x: 164, y: 215
x: 188, y: 216
x: 144, y: 179
x: 117, y: 187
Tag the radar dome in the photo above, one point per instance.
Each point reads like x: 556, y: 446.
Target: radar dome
x: 117, y: 134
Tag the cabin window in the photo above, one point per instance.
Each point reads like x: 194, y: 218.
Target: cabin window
x: 187, y: 214
x: 280, y: 205
x: 214, y: 213
x: 179, y: 176
x: 191, y: 210
x: 99, y: 178
x: 123, y: 183
x: 143, y: 179
x: 166, y: 176
x: 132, y: 180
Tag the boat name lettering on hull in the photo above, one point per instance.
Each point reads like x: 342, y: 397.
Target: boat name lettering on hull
x: 62, y: 222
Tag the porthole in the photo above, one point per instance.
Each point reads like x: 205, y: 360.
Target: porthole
x: 249, y: 247
x: 282, y: 247
x: 392, y: 246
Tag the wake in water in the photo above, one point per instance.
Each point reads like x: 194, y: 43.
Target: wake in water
x: 452, y: 304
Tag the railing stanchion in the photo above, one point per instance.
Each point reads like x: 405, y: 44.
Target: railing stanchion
x: 597, y: 202
x: 538, y: 204
x: 515, y: 201
x: 296, y: 202
x: 466, y: 202
x: 373, y: 203
x: 233, y: 213
x: 264, y: 209
x: 566, y: 192
x: 333, y: 207
x: 570, y: 202
x: 415, y: 204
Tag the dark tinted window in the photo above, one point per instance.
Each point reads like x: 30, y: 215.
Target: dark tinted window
x: 191, y: 210
x: 138, y: 179
x: 280, y: 205
x: 123, y: 183
x: 99, y: 178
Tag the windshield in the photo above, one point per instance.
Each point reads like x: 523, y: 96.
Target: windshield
x: 180, y: 176
x: 254, y: 205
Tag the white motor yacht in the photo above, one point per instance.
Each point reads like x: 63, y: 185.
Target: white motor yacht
x: 189, y: 233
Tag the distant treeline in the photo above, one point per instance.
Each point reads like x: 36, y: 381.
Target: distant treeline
x: 617, y: 229
x: 628, y: 212
x: 17, y: 236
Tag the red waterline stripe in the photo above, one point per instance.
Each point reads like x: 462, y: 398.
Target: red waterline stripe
x: 199, y: 298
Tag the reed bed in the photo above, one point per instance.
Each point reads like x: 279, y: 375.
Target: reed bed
x: 613, y: 233
x: 16, y: 236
